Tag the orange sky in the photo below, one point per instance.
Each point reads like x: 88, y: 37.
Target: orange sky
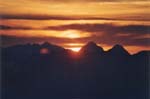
x: 71, y: 24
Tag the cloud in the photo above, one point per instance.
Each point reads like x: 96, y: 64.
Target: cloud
x: 93, y: 28
x: 35, y: 17
x: 82, y: 27
x: 135, y: 29
x: 7, y: 40
x: 51, y: 17
x: 109, y: 34
x: 6, y: 27
x: 107, y: 28
x: 61, y: 17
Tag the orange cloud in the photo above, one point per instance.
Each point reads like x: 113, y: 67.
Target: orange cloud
x: 94, y: 9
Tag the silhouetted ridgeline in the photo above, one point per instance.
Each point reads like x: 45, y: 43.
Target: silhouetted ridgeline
x: 48, y: 71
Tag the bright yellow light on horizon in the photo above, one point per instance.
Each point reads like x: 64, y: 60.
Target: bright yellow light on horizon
x: 75, y: 49
x: 72, y: 34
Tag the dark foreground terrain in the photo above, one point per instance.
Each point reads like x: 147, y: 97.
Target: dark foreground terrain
x: 57, y: 73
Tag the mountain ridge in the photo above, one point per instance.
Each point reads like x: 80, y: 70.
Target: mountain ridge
x: 89, y: 47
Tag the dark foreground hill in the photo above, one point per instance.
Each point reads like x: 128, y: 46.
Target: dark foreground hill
x: 51, y: 72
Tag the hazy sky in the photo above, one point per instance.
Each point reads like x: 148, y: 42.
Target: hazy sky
x: 72, y: 23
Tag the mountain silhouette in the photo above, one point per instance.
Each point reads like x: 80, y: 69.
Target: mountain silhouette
x: 118, y: 50
x: 51, y: 46
x: 91, y: 48
x: 48, y: 71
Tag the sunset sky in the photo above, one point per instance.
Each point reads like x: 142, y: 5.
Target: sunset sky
x: 72, y: 23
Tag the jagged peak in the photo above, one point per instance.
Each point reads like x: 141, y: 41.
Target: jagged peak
x: 91, y: 47
x: 118, y: 46
x: 119, y: 49
x: 91, y: 43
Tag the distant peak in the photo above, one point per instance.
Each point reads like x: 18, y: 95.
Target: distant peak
x: 91, y: 47
x: 119, y: 49
x: 117, y: 46
x: 91, y: 44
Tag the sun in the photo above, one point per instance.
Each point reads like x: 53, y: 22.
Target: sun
x: 71, y: 34
x: 75, y: 49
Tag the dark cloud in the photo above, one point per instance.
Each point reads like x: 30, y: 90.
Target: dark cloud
x: 111, y: 34
x: 108, y: 34
x: 60, y: 17
x: 49, y: 17
x: 92, y: 28
x: 107, y: 28
x: 140, y: 29
x: 13, y: 40
x: 141, y: 41
x: 127, y: 40
x: 35, y: 17
x: 82, y: 27
x: 5, y: 27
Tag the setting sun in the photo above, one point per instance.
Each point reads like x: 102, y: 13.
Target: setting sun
x: 72, y: 34
x: 76, y: 49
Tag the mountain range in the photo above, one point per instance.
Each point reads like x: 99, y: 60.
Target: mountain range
x: 47, y: 71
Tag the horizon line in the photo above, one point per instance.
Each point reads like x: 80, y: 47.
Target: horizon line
x: 70, y: 48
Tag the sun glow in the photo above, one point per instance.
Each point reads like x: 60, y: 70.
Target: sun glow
x: 72, y: 34
x: 75, y: 49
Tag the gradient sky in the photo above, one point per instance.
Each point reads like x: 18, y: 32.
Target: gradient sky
x: 71, y: 24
